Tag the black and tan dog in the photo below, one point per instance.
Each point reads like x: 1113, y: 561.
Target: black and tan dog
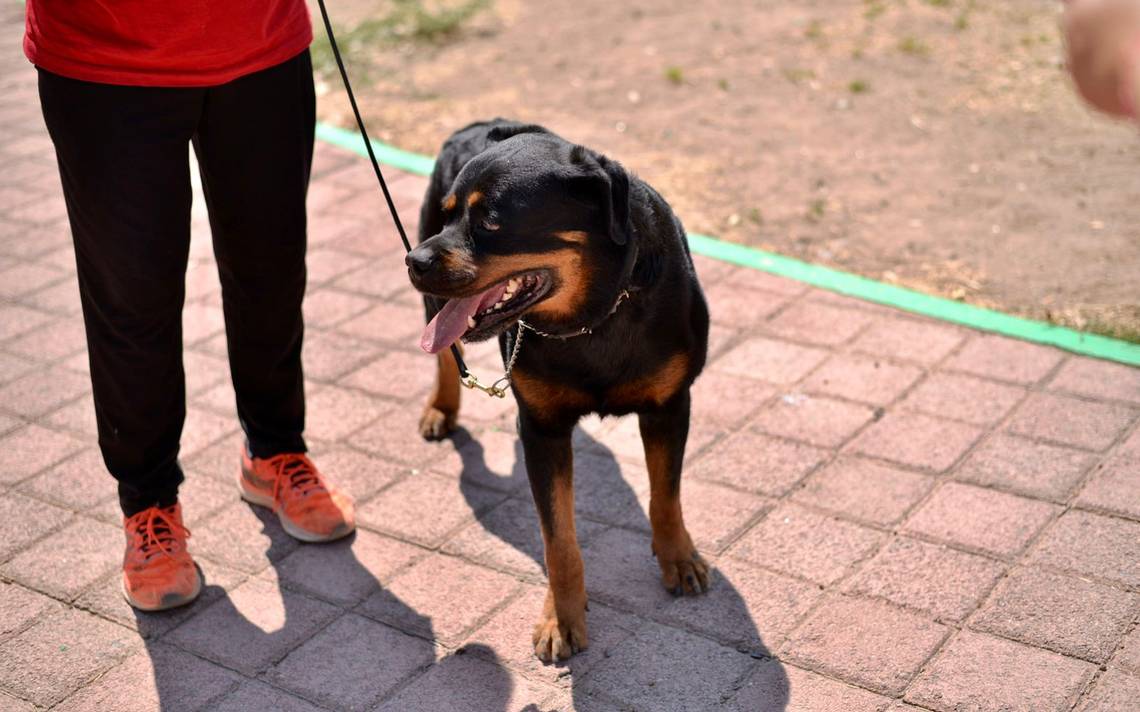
x: 520, y: 224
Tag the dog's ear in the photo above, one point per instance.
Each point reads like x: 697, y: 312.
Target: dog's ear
x: 615, y: 190
x: 506, y: 130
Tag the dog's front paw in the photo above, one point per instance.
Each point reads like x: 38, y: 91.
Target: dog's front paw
x: 682, y: 568
x: 557, y: 638
x: 435, y: 424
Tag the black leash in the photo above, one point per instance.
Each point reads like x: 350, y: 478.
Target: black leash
x: 464, y: 374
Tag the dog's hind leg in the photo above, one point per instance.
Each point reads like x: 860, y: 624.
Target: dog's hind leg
x: 561, y: 631
x: 663, y: 434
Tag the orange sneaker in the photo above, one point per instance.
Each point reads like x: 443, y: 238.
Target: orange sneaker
x: 158, y: 572
x: 310, y: 508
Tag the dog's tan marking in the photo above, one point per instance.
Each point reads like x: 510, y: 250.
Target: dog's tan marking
x: 681, y: 566
x: 442, y: 406
x: 561, y: 630
x: 577, y: 237
x: 546, y: 397
x: 458, y: 263
x: 449, y: 202
x: 474, y: 198
x: 656, y: 388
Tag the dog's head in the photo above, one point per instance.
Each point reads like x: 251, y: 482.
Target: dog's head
x: 534, y: 227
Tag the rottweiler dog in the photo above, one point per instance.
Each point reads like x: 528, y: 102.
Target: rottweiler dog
x: 520, y: 224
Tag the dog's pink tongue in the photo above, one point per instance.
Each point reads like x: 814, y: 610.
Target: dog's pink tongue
x: 449, y: 324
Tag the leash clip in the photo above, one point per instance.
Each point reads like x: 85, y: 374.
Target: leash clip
x: 495, y: 390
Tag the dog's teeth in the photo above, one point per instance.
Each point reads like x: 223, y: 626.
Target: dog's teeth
x: 470, y: 322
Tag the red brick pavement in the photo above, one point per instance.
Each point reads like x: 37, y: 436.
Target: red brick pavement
x: 903, y: 514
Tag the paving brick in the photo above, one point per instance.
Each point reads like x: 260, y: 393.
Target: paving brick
x: 439, y: 597
x: 55, y: 341
x: 716, y: 515
x: 1065, y: 614
x: 917, y: 440
x: 972, y: 517
x: 257, y: 624
x: 980, y: 672
x: 460, y: 683
x: 727, y: 400
x: 1115, y: 691
x: 864, y: 490
x: 943, y: 582
x: 966, y: 398
x: 161, y: 678
x: 755, y: 279
x: 493, y: 459
x: 800, y: 542
x: 396, y: 436
x: 818, y: 420
x: 352, y: 663
x: 243, y: 537
x: 335, y: 412
x: 861, y: 378
x: 323, y: 265
x: 909, y: 340
x: 744, y: 606
x: 12, y: 367
x: 201, y: 321
x: 610, y: 492
x: 1098, y: 379
x: 254, y: 695
x: 1026, y: 467
x: 106, y: 599
x: 1128, y: 657
x: 355, y: 472
x: 324, y: 308
x: 768, y: 360
x: 742, y: 307
x: 426, y: 508
x: 61, y: 298
x: 48, y: 661
x: 1093, y: 545
x: 508, y: 538
x: 21, y: 607
x: 506, y: 637
x: 15, y: 319
x: 621, y: 570
x: 866, y: 642
x: 664, y: 668
x: 396, y: 324
x: 1115, y: 486
x: 346, y: 572
x: 23, y: 520
x: 68, y: 561
x: 1071, y: 421
x: 329, y: 355
x: 42, y: 391
x: 776, y: 687
x: 757, y: 463
x: 76, y: 417
x: 11, y: 704
x: 1004, y: 359
x: 818, y: 324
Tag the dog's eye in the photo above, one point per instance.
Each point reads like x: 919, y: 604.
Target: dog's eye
x: 488, y: 225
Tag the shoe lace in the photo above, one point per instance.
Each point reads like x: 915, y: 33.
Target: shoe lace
x: 156, y: 531
x: 296, y: 472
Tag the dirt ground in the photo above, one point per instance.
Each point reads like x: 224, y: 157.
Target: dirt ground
x: 935, y: 144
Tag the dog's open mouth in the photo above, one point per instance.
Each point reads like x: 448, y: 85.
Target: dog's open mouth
x: 486, y: 313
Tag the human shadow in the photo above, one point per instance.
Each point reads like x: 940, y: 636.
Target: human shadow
x: 317, y: 624
x: 622, y: 578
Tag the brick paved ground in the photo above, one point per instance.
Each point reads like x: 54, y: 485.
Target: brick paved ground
x: 903, y: 514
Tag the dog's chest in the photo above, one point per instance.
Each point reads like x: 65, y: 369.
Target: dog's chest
x: 651, y: 389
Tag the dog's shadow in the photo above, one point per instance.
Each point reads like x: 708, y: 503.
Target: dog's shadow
x: 630, y: 658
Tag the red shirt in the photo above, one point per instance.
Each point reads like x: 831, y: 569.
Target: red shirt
x: 169, y: 43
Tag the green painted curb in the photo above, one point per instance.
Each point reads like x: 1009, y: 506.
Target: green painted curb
x: 824, y: 277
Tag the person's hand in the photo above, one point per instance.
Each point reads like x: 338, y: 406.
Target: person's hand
x: 1103, y: 41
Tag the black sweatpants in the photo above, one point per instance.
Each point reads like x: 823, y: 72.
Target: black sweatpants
x: 123, y: 156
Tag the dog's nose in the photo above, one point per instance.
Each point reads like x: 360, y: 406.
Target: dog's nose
x: 421, y: 260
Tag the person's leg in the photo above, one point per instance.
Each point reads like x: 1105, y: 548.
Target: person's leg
x: 124, y: 163
x: 255, y: 148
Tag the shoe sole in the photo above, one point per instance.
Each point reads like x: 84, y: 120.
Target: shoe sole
x: 168, y: 601
x: 287, y: 524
